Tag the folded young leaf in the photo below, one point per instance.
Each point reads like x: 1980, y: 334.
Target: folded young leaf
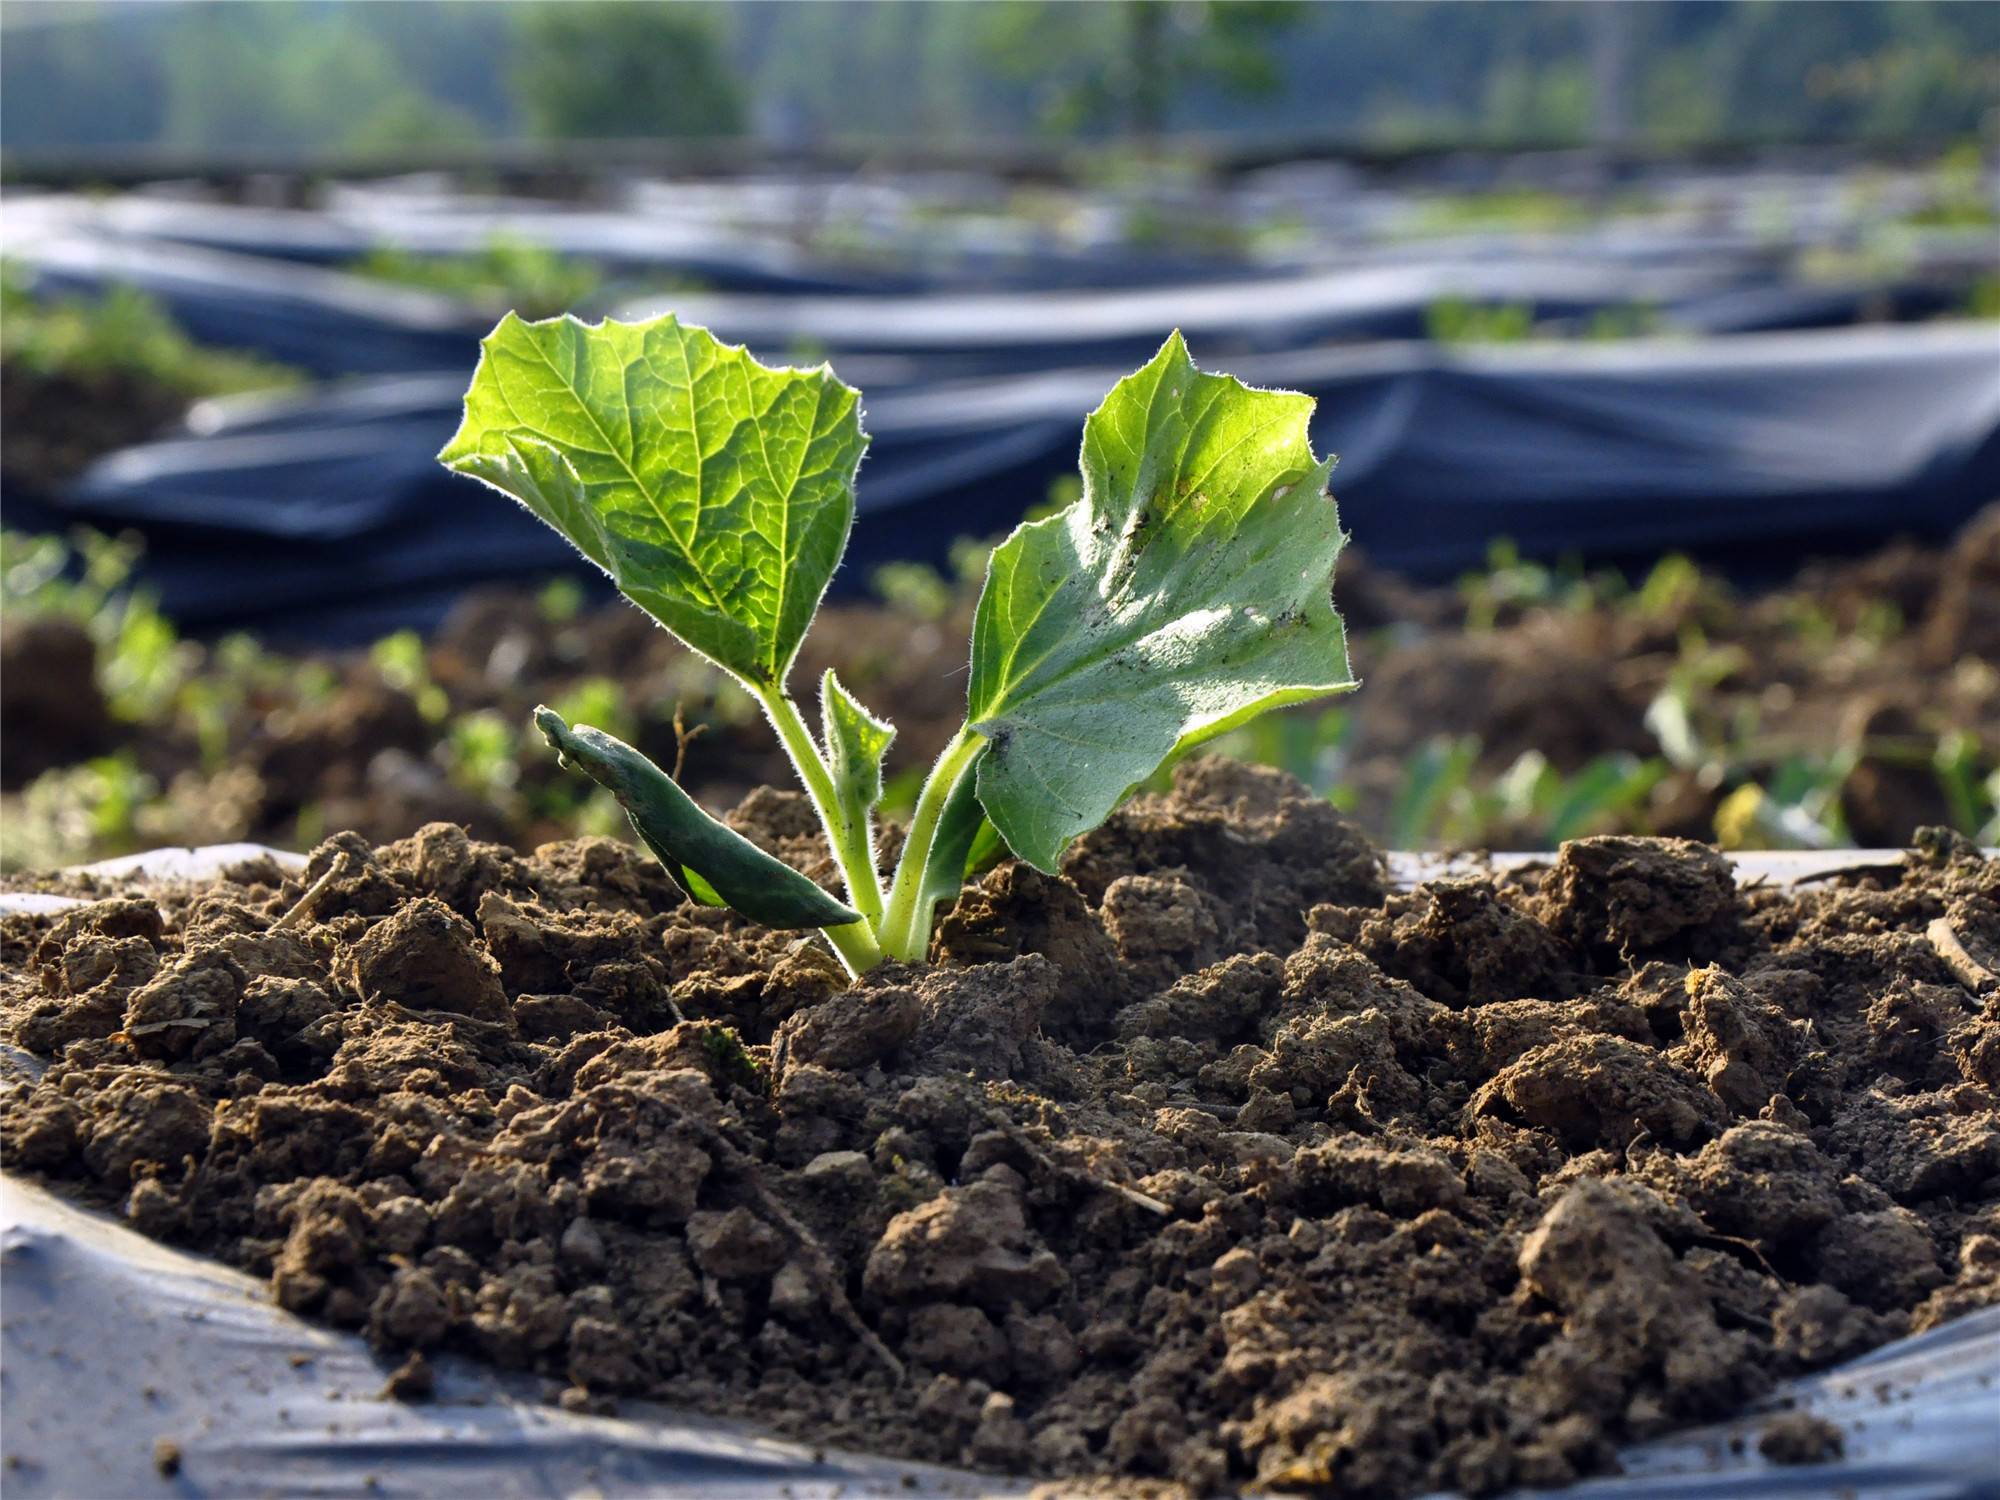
x: 710, y: 862
x: 716, y: 491
x: 856, y: 742
x: 1189, y: 589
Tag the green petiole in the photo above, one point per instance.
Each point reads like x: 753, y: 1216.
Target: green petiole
x: 905, y: 925
x: 853, y: 849
x: 859, y: 943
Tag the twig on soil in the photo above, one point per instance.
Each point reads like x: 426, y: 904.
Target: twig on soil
x: 1973, y: 974
x: 818, y: 1263
x: 1842, y: 872
x: 1132, y: 1195
x: 1743, y: 1247
x: 302, y: 908
x: 683, y: 737
x: 1051, y: 1165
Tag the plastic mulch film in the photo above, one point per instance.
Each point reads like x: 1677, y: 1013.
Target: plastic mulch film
x: 1743, y: 451
x: 123, y: 1358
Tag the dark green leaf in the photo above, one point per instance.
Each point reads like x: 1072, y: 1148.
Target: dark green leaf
x: 712, y: 863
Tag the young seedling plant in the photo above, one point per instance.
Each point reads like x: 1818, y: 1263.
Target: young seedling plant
x: 1188, y: 590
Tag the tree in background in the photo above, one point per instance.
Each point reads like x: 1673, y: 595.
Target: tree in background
x: 264, y: 75
x: 614, y: 70
x: 1126, y: 64
x: 78, y: 84
x: 320, y: 75
x: 1763, y: 69
x: 250, y: 75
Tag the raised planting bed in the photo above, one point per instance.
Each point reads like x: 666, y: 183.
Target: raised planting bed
x: 1215, y: 1158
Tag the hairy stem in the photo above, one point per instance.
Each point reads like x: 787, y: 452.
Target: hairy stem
x: 853, y: 850
x: 904, y: 929
x: 856, y: 946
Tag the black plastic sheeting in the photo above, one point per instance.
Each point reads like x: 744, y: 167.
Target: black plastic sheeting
x: 998, y: 333
x: 270, y: 282
x: 329, y: 322
x: 325, y: 322
x: 736, y: 236
x: 1002, y: 333
x: 785, y: 230
x: 326, y: 516
x: 265, y: 282
x: 113, y: 1343
x: 619, y: 241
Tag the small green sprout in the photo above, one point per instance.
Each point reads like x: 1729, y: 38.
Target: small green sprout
x: 1184, y: 592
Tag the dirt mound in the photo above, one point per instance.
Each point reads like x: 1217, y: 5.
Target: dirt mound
x: 1208, y: 1162
x: 57, y: 424
x: 52, y: 713
x: 1534, y: 687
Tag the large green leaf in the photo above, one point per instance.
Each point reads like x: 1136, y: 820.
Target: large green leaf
x: 1189, y: 589
x: 717, y: 492
x: 711, y: 862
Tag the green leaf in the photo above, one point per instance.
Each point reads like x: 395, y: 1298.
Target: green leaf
x: 987, y: 848
x: 1609, y: 784
x: 712, y: 863
x: 1188, y: 590
x: 687, y: 879
x: 856, y: 742
x: 717, y: 492
x: 1440, y: 770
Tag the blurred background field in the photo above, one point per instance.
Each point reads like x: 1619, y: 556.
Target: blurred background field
x: 1661, y: 344
x: 325, y: 76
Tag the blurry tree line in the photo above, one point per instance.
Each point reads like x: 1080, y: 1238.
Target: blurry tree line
x: 339, y: 75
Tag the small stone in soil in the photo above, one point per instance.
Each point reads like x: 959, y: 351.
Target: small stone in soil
x: 412, y: 1380
x: 166, y: 1457
x: 583, y: 1402
x: 1799, y: 1437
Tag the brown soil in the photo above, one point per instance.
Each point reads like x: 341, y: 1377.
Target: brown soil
x: 1798, y: 1437
x: 57, y: 425
x: 1209, y: 1162
x: 1885, y: 654
x: 51, y: 712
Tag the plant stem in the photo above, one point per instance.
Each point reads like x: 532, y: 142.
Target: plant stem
x: 850, y: 846
x: 853, y: 850
x: 900, y: 924
x: 856, y: 946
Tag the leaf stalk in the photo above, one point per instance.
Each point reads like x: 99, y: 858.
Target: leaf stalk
x: 904, y: 929
x: 853, y: 849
